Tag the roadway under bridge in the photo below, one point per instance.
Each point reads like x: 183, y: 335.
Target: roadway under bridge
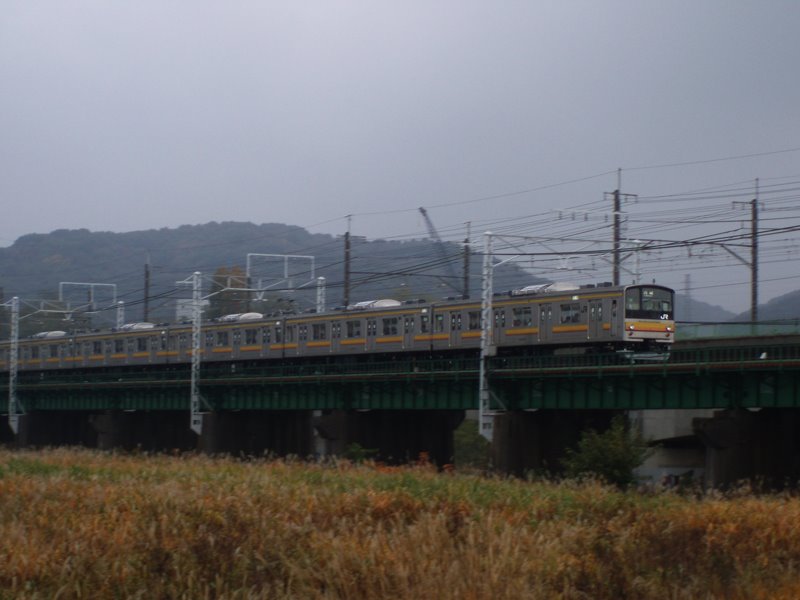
x: 742, y: 394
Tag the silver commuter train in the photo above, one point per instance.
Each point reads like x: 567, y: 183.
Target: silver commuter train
x: 552, y: 318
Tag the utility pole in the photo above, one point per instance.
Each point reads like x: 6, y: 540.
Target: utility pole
x: 753, y: 263
x: 146, y: 288
x: 617, y: 196
x: 687, y: 290
x: 196, y: 418
x: 13, y: 366
x: 754, y: 258
x: 120, y: 314
x: 347, y: 264
x: 617, y: 236
x: 465, y: 292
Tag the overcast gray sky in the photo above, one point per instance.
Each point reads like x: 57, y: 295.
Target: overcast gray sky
x: 134, y: 115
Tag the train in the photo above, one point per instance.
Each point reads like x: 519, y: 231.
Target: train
x: 557, y: 318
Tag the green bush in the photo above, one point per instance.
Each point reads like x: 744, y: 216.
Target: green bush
x: 472, y: 450
x: 611, y: 456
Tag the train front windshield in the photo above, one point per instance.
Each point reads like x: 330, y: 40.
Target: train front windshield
x: 649, y: 302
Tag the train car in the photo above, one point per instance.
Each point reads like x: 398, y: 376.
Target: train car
x: 634, y: 320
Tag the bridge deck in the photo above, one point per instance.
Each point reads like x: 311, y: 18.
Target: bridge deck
x: 761, y: 373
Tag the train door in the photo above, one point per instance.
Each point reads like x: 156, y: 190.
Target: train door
x: 614, y: 320
x: 545, y: 322
x: 409, y: 329
x: 596, y: 319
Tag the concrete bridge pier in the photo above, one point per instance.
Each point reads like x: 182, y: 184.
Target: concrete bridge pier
x: 537, y: 440
x: 154, y: 431
x: 284, y: 433
x: 757, y: 446
x: 393, y: 436
x: 55, y: 428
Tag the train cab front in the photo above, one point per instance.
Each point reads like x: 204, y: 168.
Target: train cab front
x: 649, y: 322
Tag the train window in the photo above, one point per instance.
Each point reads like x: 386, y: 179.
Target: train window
x: 353, y: 329
x: 141, y: 344
x: 290, y: 333
x: 424, y: 323
x: 119, y: 346
x: 500, y: 318
x: 372, y: 327
x: 474, y: 319
x: 336, y: 330
x: 319, y: 331
x: 571, y: 313
x: 613, y: 309
x: 302, y: 333
x: 632, y: 299
x: 251, y: 336
x: 600, y: 312
x: 222, y: 338
x: 53, y: 350
x: 390, y: 326
x: 438, y: 326
x: 97, y: 347
x: 278, y: 335
x: 209, y: 339
x: 523, y: 317
x: 182, y: 340
x: 455, y: 321
x: 655, y: 300
x: 237, y: 337
x: 648, y: 303
x: 35, y: 352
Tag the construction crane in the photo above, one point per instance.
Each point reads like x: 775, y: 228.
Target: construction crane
x: 451, y: 278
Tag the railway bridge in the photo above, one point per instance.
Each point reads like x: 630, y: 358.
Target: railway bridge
x: 742, y: 394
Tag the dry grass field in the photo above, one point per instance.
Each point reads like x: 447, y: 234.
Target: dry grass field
x: 82, y: 524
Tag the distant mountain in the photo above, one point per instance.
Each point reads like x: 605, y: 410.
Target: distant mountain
x: 35, y: 265
x: 688, y: 309
x: 780, y: 308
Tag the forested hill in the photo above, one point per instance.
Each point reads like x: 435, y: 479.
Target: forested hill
x: 35, y: 264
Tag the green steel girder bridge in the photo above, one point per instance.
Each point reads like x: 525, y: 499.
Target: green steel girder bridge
x: 737, y: 373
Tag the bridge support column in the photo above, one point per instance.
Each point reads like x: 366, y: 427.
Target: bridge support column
x: 7, y: 437
x: 397, y: 436
x: 155, y: 431
x: 257, y: 432
x: 761, y: 447
x: 114, y: 429
x: 55, y: 428
x: 537, y: 440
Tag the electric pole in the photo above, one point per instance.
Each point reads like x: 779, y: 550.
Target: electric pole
x: 753, y: 263
x: 347, y: 264
x: 465, y: 292
x: 617, y: 196
x: 146, y: 288
x: 617, y: 236
x: 754, y: 257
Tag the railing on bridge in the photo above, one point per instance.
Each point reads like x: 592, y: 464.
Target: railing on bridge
x: 692, y: 331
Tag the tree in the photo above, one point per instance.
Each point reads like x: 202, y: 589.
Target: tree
x: 611, y: 455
